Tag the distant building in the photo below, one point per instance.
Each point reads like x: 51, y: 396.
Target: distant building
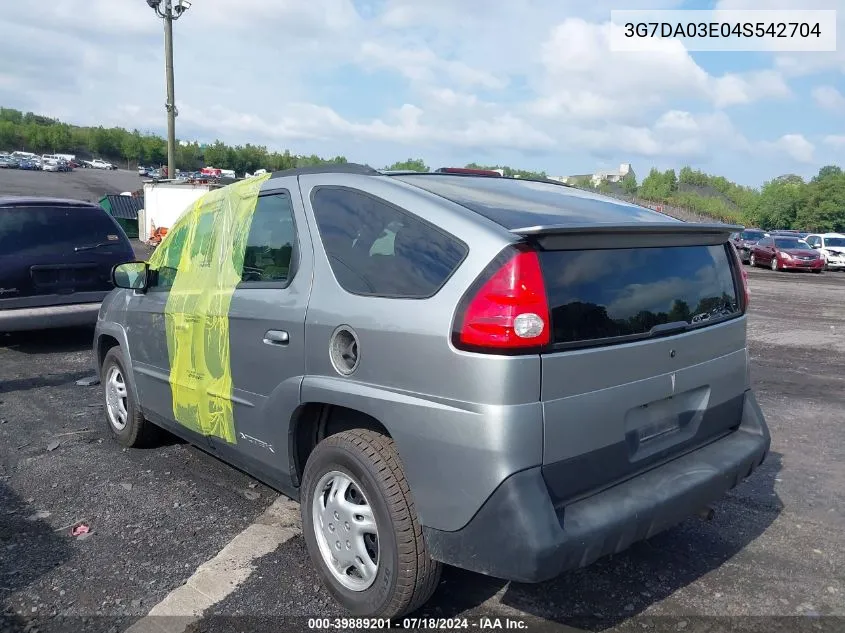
x: 599, y: 177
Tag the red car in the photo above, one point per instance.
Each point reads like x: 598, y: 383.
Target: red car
x: 785, y: 253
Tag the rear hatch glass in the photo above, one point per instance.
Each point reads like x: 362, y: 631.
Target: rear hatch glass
x: 50, y: 250
x: 601, y: 296
x: 648, y: 359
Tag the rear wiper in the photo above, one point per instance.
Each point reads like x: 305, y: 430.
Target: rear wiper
x: 91, y: 247
x: 669, y: 328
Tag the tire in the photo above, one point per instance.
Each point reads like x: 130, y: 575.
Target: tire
x: 752, y: 261
x: 136, y: 432
x: 818, y: 272
x: 774, y: 264
x: 405, y: 576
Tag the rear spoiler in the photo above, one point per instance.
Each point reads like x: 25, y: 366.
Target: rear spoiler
x: 626, y: 235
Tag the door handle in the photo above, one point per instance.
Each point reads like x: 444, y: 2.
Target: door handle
x: 276, y: 337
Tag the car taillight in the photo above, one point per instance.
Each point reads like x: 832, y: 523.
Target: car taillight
x: 506, y: 309
x: 746, y: 293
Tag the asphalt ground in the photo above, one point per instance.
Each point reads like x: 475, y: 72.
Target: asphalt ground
x: 772, y: 558
x: 80, y: 184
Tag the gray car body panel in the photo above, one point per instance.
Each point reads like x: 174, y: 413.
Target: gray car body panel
x: 448, y: 429
x: 463, y: 422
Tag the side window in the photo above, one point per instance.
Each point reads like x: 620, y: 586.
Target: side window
x: 271, y: 244
x: 814, y: 242
x: 377, y: 249
x: 173, y: 244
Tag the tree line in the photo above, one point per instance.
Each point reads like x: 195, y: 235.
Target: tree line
x: 787, y: 201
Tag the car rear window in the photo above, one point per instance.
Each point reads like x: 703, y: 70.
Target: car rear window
x: 595, y: 295
x: 41, y: 230
x: 752, y: 235
x: 515, y: 203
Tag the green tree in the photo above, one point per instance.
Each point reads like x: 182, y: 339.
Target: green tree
x: 671, y: 180
x: 133, y: 146
x: 779, y: 203
x: 824, y: 206
x: 654, y: 186
x: 411, y: 164
x: 629, y: 184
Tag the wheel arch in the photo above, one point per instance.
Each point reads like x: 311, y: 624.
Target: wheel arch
x: 314, y: 421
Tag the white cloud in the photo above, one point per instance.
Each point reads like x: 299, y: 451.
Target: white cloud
x: 735, y: 89
x: 836, y: 141
x: 795, y: 146
x: 797, y: 64
x: 424, y: 65
x: 469, y: 80
x: 585, y: 80
x: 829, y: 98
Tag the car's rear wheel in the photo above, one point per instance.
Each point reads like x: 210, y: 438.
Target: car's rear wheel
x: 123, y: 412
x: 817, y: 271
x: 752, y: 261
x: 361, y: 528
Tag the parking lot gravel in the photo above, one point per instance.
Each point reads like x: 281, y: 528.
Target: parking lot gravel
x: 775, y: 547
x: 80, y: 184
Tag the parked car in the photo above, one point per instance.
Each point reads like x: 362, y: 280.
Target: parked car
x: 442, y: 368
x: 744, y: 240
x: 9, y: 163
x: 30, y: 165
x: 56, y: 258
x: 101, y: 164
x: 785, y: 253
x: 143, y: 171
x: 49, y: 165
x: 831, y: 248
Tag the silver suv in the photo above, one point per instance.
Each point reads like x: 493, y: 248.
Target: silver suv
x: 506, y: 375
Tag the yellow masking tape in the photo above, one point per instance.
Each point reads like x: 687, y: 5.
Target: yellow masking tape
x: 206, y: 247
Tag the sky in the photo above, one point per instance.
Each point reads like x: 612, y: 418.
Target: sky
x: 532, y: 84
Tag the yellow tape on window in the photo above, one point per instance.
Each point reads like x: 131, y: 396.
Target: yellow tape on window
x: 208, y: 242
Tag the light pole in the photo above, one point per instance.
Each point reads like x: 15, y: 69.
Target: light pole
x: 170, y: 11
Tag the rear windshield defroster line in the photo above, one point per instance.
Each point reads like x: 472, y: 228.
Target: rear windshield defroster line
x: 601, y: 297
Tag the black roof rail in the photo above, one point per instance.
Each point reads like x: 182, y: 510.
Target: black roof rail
x: 332, y: 168
x: 548, y: 181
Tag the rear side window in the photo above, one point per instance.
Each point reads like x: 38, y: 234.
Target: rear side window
x: 47, y: 230
x: 606, y: 294
x: 377, y: 249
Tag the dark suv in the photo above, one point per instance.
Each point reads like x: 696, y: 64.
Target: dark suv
x: 56, y: 258
x: 744, y: 240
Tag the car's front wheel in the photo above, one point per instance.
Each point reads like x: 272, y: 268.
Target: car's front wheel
x: 123, y: 413
x: 775, y: 265
x: 752, y: 261
x: 361, y: 528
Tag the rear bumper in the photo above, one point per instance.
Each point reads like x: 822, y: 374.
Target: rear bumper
x: 519, y: 535
x: 41, y: 318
